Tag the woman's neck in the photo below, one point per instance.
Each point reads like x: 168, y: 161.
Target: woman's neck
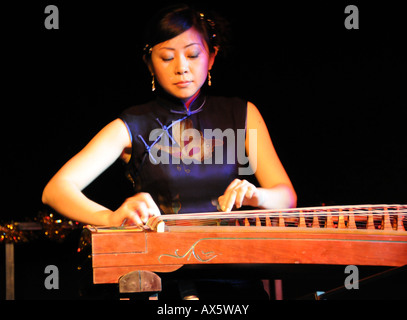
x: 187, y: 102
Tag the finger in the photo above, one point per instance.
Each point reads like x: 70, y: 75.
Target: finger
x: 143, y: 211
x: 250, y: 196
x: 232, y: 185
x: 241, y: 191
x: 128, y: 211
x: 137, y: 210
x: 154, y: 212
x: 153, y: 209
x: 230, y: 200
x: 250, y: 191
x: 224, y: 200
x: 133, y: 218
x: 221, y: 201
x: 240, y: 194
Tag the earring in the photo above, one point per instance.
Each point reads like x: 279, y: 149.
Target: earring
x: 209, y: 79
x: 153, y: 84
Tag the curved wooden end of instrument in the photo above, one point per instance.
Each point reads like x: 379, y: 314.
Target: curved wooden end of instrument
x: 156, y: 224
x: 167, y: 268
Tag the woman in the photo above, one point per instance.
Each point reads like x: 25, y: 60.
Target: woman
x: 202, y: 171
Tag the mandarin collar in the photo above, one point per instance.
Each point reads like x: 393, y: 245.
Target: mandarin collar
x: 176, y: 105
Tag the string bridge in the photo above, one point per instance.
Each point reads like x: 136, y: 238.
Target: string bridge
x: 375, y: 218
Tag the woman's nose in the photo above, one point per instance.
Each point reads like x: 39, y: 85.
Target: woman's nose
x: 181, y: 66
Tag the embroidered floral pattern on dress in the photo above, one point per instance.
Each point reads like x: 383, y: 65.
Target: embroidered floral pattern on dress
x: 177, y: 149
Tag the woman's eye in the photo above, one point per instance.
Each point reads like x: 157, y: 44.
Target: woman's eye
x: 166, y: 59
x: 193, y: 56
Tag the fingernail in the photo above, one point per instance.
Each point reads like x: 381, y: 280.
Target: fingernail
x: 223, y: 208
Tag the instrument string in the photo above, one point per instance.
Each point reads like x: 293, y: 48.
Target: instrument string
x: 291, y: 217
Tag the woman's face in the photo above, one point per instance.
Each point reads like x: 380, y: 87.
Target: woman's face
x: 181, y: 64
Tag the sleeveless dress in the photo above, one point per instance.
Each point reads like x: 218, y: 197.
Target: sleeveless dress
x: 185, y: 158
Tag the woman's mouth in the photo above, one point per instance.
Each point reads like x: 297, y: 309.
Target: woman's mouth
x: 182, y: 84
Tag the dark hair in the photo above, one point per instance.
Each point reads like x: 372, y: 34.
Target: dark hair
x: 176, y: 19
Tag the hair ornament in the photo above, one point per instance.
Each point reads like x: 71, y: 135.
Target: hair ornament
x: 210, y: 23
x: 147, y: 49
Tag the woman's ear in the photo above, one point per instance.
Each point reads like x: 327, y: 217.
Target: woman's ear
x: 212, y: 57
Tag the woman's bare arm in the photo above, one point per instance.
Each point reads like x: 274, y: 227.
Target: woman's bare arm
x: 276, y: 189
x: 64, y: 190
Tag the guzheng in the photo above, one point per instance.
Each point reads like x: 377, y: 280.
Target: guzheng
x: 372, y: 235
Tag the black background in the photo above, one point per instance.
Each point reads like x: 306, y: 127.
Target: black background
x: 334, y: 99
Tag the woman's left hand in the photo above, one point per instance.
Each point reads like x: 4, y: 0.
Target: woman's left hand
x: 240, y: 193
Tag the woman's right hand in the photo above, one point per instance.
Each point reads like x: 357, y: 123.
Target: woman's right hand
x: 135, y: 211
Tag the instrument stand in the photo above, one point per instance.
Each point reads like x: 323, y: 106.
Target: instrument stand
x: 278, y: 289
x: 140, y: 281
x: 143, y: 285
x: 10, y: 271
